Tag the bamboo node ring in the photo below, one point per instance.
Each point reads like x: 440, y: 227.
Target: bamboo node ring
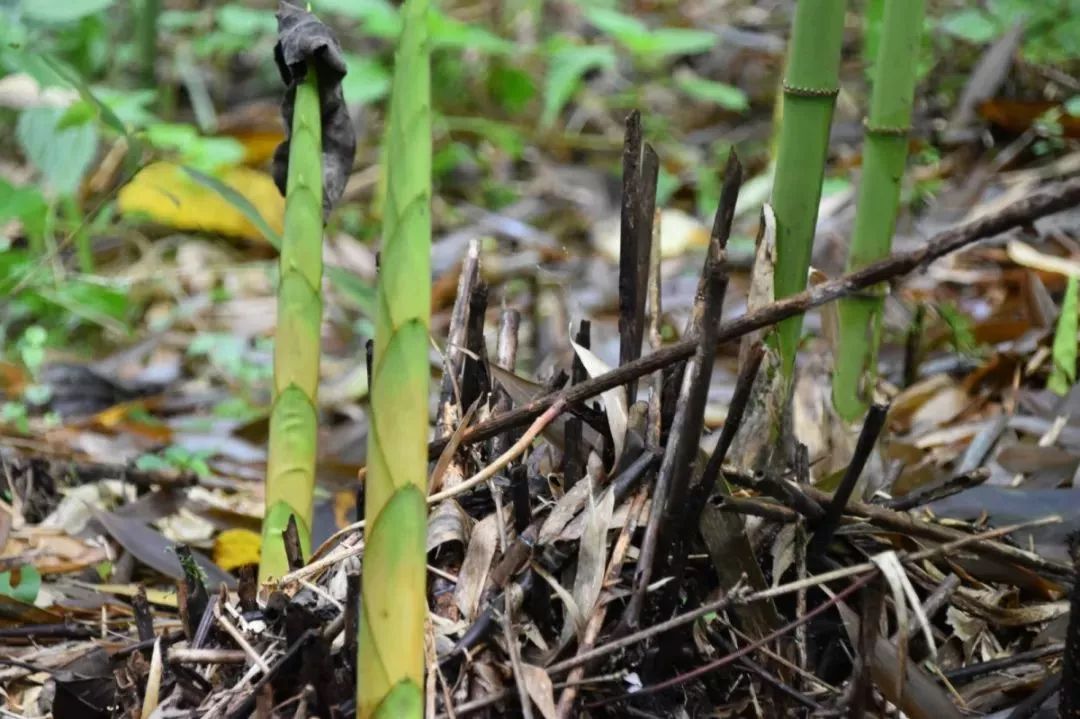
x: 810, y: 91
x: 886, y: 130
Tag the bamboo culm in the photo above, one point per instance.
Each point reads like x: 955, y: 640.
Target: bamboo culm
x: 884, y: 157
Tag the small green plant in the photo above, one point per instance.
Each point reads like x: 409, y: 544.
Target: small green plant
x: 30, y: 349
x: 178, y: 459
x: 1063, y: 373
x: 961, y: 332
x: 234, y: 357
x: 650, y: 46
x: 1051, y: 28
x: 22, y: 584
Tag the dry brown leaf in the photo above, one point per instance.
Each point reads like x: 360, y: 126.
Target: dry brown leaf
x: 1023, y: 458
x: 474, y: 570
x: 448, y: 522
x: 153, y: 683
x: 592, y: 554
x: 614, y: 399
x: 941, y: 408
x: 908, y: 402
x: 540, y: 688
x: 564, y: 511
x: 523, y: 391
x: 1026, y: 255
x: 783, y: 552
x: 920, y: 697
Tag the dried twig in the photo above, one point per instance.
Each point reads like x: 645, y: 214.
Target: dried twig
x: 669, y: 494
x: 826, y: 526
x: 640, y: 172
x: 951, y: 486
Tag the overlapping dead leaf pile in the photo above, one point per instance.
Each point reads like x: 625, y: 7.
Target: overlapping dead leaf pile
x: 613, y: 557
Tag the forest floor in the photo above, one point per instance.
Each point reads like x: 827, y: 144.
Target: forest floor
x: 611, y: 531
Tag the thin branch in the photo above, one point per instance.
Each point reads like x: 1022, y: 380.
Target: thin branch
x: 871, y: 429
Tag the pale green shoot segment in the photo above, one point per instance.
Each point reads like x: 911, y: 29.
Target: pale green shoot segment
x: 810, y: 88
x: 290, y: 473
x: 1063, y: 373
x: 884, y: 158
x: 390, y: 666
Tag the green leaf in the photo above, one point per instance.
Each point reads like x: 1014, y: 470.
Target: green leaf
x: 506, y: 137
x: 367, y: 80
x: 1072, y: 106
x: 566, y: 67
x: 404, y: 700
x: 104, y: 111
x: 95, y: 303
x: 448, y: 33
x: 624, y: 28
x: 239, y: 20
x: 963, y: 335
x: 971, y: 25
x: 1063, y: 374
x: 646, y: 43
x: 676, y: 41
x: 718, y: 93
x: 78, y: 113
x: 378, y: 18
x: 204, y: 153
x: 1006, y: 12
x: 25, y: 204
x: 131, y: 108
x: 26, y: 588
x: 61, y: 155
x: 512, y: 87
x: 666, y: 186
x: 241, y: 203
x: 58, y: 11
x: 356, y: 290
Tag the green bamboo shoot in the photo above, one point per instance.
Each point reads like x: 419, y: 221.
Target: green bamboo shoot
x: 884, y: 156
x: 290, y: 475
x: 390, y: 666
x: 810, y: 88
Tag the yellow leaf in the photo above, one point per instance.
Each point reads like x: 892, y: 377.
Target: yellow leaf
x: 168, y: 195
x: 679, y: 233
x: 159, y: 597
x: 236, y: 548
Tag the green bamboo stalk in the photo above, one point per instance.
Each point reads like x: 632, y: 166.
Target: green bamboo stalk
x: 884, y: 157
x: 810, y: 88
x: 390, y: 665
x: 290, y: 471
x: 147, y: 30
